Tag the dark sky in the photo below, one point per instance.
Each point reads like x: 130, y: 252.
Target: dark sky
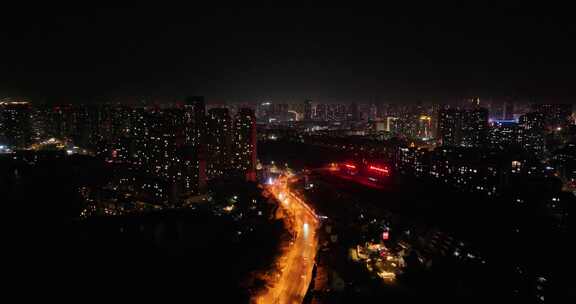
x: 74, y: 55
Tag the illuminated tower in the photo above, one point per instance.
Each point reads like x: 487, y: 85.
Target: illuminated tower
x: 467, y: 128
x: 195, y: 121
x: 244, y: 143
x: 449, y: 123
x: 218, y: 142
x: 532, y: 130
x: 555, y: 115
x: 474, y: 128
x: 15, y: 124
x: 321, y: 112
x: 195, y: 127
x: 425, y: 126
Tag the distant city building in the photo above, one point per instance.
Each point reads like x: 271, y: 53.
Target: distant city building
x: 373, y: 112
x: 564, y: 160
x: 195, y: 121
x: 195, y: 141
x: 469, y: 169
x: 504, y: 134
x: 533, y: 129
x: 162, y: 153
x: 15, y: 124
x: 263, y: 111
x: 218, y: 142
x: 391, y: 124
x: 336, y: 112
x: 466, y: 128
x: 379, y: 126
x: 308, y: 110
x: 406, y: 125
x: 449, y: 126
x: 353, y: 112
x: 271, y: 112
x: 424, y: 126
x: 435, y: 118
x: 339, y: 112
x: 244, y: 143
x: 555, y: 115
x: 321, y: 112
x: 296, y: 111
x: 279, y: 112
x: 161, y: 167
x: 474, y: 128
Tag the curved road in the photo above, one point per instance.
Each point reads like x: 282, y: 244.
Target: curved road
x: 298, y: 261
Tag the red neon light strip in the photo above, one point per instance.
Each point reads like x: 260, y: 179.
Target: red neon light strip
x: 378, y: 169
x: 350, y: 166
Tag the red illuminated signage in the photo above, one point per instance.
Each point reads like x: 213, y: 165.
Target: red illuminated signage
x: 385, y: 235
x: 381, y: 170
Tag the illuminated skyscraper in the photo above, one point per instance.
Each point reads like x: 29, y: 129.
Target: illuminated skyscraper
x: 555, y: 115
x: 218, y: 142
x: 321, y: 112
x: 449, y: 126
x: 195, y: 141
x: 504, y: 134
x: 424, y: 126
x: 474, y: 128
x: 339, y: 112
x: 435, y: 118
x: 244, y: 143
x: 467, y: 128
x: 15, y: 124
x: 195, y: 121
x: 162, y: 167
x: 533, y: 128
x: 263, y: 111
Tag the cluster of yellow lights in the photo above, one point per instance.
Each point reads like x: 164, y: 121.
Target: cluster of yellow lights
x: 387, y: 275
x: 14, y: 103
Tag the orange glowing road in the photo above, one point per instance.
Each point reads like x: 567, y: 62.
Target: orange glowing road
x: 297, y: 262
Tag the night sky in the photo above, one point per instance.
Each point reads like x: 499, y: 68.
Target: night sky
x: 332, y: 55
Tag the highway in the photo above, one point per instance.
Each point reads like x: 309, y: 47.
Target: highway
x: 298, y: 261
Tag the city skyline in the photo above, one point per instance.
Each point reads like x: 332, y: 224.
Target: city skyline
x: 294, y: 155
